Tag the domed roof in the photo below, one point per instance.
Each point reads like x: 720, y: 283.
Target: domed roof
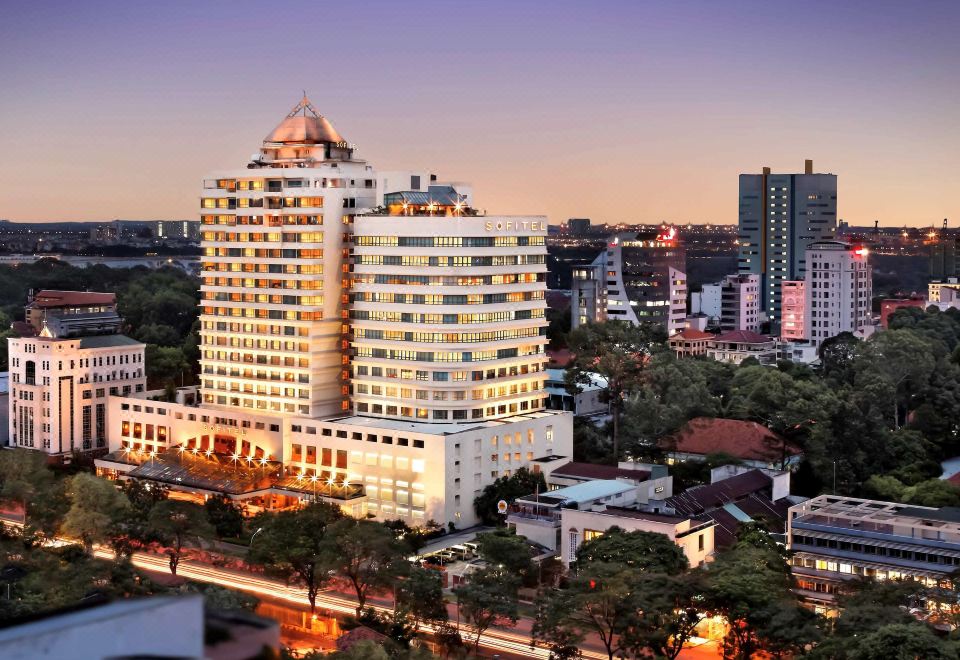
x: 312, y: 128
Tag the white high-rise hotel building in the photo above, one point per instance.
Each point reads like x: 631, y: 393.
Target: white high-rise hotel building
x: 371, y: 332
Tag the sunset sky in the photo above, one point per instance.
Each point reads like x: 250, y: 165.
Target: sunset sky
x: 617, y: 111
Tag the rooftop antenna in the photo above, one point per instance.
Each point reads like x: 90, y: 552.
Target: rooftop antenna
x: 304, y: 105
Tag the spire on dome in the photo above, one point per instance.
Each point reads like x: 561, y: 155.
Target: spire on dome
x: 304, y: 125
x: 303, y: 106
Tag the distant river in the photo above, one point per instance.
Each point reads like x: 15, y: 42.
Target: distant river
x: 189, y: 264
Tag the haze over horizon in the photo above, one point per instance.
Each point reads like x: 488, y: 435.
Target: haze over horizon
x: 617, y: 111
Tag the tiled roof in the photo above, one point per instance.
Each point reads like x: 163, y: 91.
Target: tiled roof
x: 54, y: 298
x: 724, y: 529
x: 700, y: 499
x: 691, y: 334
x: 23, y: 329
x: 731, y: 502
x: 743, y: 337
x: 577, y: 470
x: 738, y: 438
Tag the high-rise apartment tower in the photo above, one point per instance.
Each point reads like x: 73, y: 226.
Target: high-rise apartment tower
x: 779, y: 216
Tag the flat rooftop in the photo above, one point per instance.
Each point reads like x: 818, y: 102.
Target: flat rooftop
x: 858, y: 511
x: 585, y: 492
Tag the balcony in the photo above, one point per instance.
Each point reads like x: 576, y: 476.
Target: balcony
x: 532, y: 519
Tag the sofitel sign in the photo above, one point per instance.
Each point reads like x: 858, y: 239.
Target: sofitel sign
x: 519, y: 225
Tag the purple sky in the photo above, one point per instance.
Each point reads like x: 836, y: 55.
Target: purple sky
x: 618, y: 111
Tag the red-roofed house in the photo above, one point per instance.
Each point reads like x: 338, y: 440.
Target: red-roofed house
x: 690, y: 342
x: 738, y: 345
x: 55, y: 302
x: 753, y: 444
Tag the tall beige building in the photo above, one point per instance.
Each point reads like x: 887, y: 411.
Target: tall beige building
x: 275, y: 271
x: 448, y: 313
x: 367, y: 338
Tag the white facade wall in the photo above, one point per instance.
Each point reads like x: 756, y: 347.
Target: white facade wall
x: 416, y: 472
x: 588, y: 303
x: 677, y: 319
x: 740, y: 303
x: 59, y: 389
x: 448, y: 317
x: 273, y: 242
x: 838, y: 291
x: 146, y: 627
x: 706, y: 301
x: 579, y: 526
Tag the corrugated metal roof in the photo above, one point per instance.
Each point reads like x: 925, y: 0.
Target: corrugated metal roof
x: 586, y: 492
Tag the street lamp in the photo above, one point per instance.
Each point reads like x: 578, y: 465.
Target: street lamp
x: 260, y: 529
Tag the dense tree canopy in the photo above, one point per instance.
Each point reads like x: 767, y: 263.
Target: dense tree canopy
x: 888, y: 406
x: 159, y: 308
x: 521, y: 482
x: 619, y: 352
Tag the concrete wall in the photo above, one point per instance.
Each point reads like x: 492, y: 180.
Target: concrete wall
x: 167, y: 627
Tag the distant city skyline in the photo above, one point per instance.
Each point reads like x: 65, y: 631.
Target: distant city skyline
x: 616, y: 111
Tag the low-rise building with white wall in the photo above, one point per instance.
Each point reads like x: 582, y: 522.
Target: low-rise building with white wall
x: 384, y: 468
x: 695, y: 537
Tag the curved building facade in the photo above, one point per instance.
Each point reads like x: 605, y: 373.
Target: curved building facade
x: 448, y: 316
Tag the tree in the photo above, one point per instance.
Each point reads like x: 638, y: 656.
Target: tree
x: 164, y: 364
x: 637, y: 551
x: 901, y: 360
x: 599, y: 601
x: 366, y: 554
x: 225, y: 516
x: 551, y: 626
x: 220, y: 598
x: 837, y: 357
x: 174, y: 523
x: 363, y: 650
x: 489, y: 598
x: 902, y: 642
x: 520, y: 483
x: 449, y: 641
x: 413, y: 538
x: 504, y: 549
x: 673, y: 392
x: 935, y: 493
x: 95, y: 505
x: 788, y: 630
x: 618, y: 352
x: 159, y: 334
x: 419, y: 596
x: 26, y: 479
x: 664, y: 614
x: 747, y: 585
x: 291, y: 543
x: 143, y: 495
x: 629, y: 589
